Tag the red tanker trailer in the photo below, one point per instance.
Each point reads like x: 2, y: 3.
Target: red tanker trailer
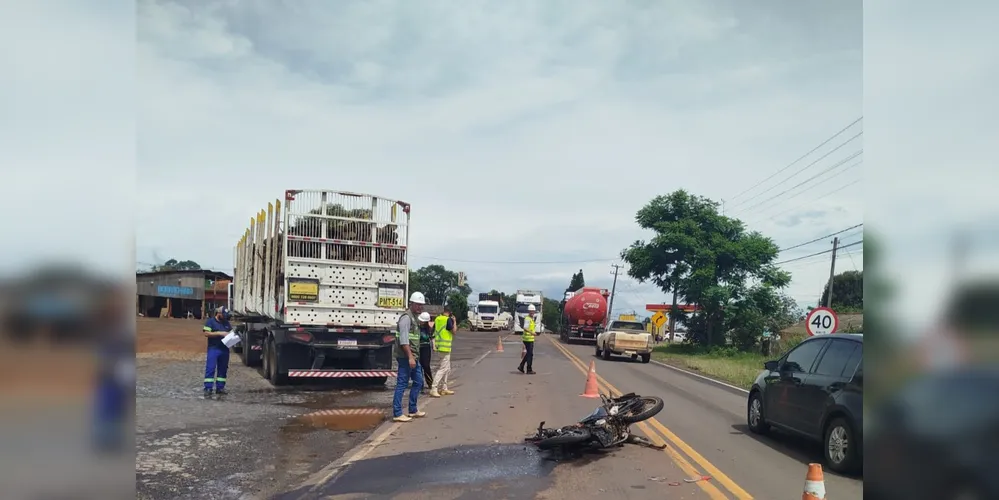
x: 584, y: 314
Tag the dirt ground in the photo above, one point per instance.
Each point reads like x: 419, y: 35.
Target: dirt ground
x: 169, y: 335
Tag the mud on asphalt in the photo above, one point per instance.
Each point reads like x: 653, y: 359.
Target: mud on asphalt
x: 254, y: 442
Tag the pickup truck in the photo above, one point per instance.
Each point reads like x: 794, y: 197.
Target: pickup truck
x: 625, y: 338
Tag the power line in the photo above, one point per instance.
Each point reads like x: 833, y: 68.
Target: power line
x: 827, y: 179
x: 792, y: 188
x: 844, y: 129
x: 778, y: 214
x: 820, y: 238
x: 817, y: 253
x: 585, y: 261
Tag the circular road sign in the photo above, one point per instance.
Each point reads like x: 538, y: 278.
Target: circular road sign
x: 821, y: 321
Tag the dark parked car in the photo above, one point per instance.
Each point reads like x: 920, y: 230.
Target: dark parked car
x: 816, y: 390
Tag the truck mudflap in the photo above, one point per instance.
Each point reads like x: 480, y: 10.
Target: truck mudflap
x: 327, y: 373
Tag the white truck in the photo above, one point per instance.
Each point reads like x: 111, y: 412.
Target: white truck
x: 526, y: 298
x: 320, y: 283
x: 486, y: 315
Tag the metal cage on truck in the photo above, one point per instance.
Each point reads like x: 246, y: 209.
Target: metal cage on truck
x: 320, y: 283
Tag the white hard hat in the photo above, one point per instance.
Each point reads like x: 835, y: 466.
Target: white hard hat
x: 424, y: 317
x: 418, y: 298
x: 531, y: 308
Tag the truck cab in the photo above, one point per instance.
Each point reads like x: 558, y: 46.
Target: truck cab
x: 525, y: 299
x: 486, y: 316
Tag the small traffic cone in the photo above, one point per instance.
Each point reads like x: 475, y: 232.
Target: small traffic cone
x: 815, y: 484
x: 499, y: 344
x: 591, y: 390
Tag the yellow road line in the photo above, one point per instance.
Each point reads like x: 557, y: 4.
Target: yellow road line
x: 711, y: 470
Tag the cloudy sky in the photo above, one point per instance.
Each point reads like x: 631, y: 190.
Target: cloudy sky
x: 525, y: 134
x: 519, y: 132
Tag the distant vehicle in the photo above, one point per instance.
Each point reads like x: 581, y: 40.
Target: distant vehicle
x: 584, y: 314
x: 486, y: 315
x: 319, y: 287
x: 816, y: 390
x: 625, y: 338
x: 526, y: 298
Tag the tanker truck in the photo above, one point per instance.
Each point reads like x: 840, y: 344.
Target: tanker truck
x: 584, y: 314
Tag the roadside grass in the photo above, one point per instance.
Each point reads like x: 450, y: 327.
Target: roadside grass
x: 726, y: 364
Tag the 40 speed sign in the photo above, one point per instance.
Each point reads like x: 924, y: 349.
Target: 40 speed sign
x: 821, y: 321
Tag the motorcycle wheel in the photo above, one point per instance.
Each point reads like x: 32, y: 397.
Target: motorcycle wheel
x: 651, y: 405
x: 568, y: 437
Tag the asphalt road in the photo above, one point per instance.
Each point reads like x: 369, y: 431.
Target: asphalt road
x: 710, y: 420
x: 470, y: 445
x: 258, y: 440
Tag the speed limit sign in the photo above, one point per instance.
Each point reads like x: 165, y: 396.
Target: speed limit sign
x: 821, y: 321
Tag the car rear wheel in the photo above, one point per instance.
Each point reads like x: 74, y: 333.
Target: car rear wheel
x: 598, y: 350
x: 606, y: 354
x: 840, y: 447
x: 754, y: 415
x: 646, y: 358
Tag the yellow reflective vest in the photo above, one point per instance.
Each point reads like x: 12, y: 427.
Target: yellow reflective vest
x: 528, y: 328
x: 442, y: 334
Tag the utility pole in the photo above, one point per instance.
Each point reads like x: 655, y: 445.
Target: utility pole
x: 610, y: 305
x: 832, y: 272
x: 723, y: 206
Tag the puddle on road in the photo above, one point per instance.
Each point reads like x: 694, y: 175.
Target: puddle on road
x: 336, y: 420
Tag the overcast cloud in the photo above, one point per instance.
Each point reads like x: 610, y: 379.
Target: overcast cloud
x: 518, y: 131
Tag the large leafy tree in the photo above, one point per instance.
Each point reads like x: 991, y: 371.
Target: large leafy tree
x: 576, y: 282
x: 709, y: 260
x: 178, y: 265
x: 437, y: 283
x: 848, y: 292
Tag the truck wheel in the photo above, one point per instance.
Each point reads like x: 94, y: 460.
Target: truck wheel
x: 646, y: 358
x: 273, y: 364
x: 249, y: 356
x: 598, y: 351
x: 607, y: 354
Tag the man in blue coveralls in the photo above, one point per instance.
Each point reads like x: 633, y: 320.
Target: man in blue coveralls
x: 217, y: 361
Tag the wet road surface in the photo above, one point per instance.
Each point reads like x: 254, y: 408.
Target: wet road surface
x: 258, y: 440
x: 470, y: 445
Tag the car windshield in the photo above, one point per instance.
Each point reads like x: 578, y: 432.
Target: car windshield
x: 628, y: 325
x: 487, y: 309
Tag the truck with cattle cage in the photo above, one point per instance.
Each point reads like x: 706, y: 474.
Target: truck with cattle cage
x: 320, y: 280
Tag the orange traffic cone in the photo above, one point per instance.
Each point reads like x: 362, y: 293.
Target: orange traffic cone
x: 499, y: 344
x: 591, y: 390
x: 815, y: 485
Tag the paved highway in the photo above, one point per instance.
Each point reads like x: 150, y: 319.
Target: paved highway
x: 470, y: 445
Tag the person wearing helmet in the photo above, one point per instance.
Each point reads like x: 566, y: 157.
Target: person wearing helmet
x: 217, y: 360
x: 528, y: 338
x: 444, y: 329
x: 426, y: 348
x: 407, y: 351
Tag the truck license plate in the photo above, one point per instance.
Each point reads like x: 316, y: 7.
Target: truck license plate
x: 347, y: 342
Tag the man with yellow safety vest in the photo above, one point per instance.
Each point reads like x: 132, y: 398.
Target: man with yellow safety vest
x: 444, y: 327
x: 528, y: 339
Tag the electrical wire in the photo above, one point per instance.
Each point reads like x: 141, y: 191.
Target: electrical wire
x: 778, y: 214
x: 827, y: 179
x: 844, y: 129
x: 800, y: 170
x: 514, y: 261
x: 792, y: 188
x: 817, y: 253
x: 820, y: 238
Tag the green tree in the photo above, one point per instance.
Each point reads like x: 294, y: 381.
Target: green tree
x: 710, y: 260
x: 848, y: 292
x: 551, y: 314
x: 458, y: 302
x: 178, y: 265
x: 576, y: 282
x: 437, y: 283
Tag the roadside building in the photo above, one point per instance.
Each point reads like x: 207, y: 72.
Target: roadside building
x: 180, y: 294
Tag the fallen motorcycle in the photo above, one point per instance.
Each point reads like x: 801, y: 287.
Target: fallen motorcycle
x: 608, y: 425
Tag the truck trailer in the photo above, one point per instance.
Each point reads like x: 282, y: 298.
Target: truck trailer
x: 320, y: 283
x: 584, y: 314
